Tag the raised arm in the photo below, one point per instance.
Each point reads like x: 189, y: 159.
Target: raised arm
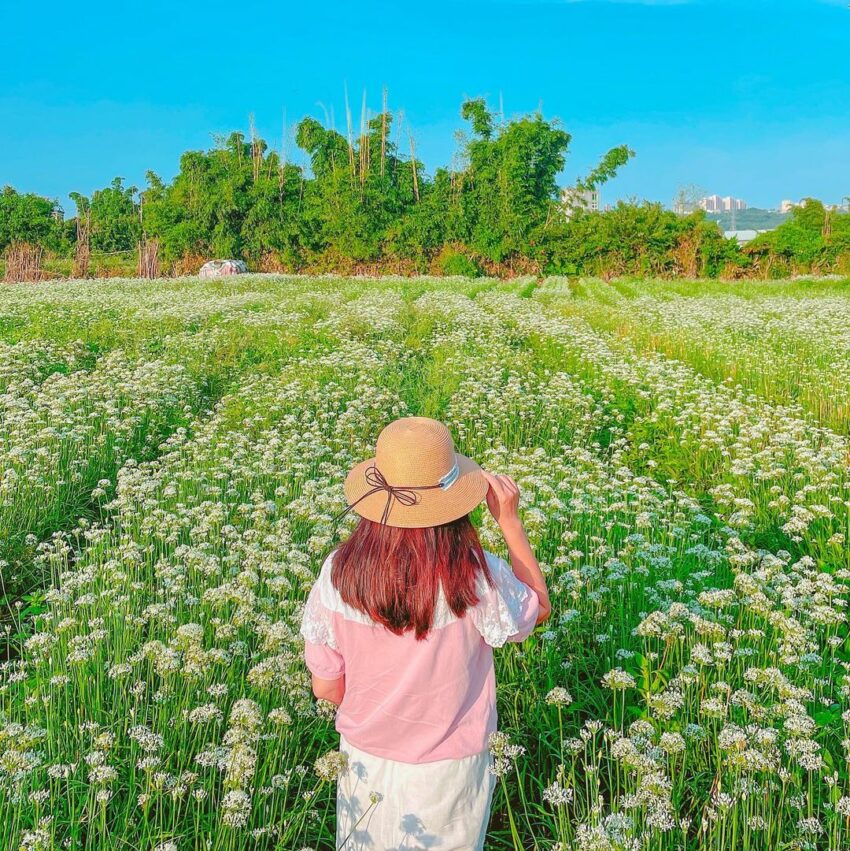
x: 503, y: 502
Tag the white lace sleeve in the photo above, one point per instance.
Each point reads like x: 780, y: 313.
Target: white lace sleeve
x: 499, y: 612
x: 317, y: 621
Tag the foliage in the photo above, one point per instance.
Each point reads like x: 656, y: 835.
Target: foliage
x: 356, y: 202
x: 508, y: 190
x: 813, y: 239
x: 607, y: 168
x: 28, y: 218
x: 359, y: 191
x: 113, y: 216
x: 359, y: 201
x: 636, y: 239
x: 451, y: 261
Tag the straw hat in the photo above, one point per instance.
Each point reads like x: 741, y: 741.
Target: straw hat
x: 416, y: 478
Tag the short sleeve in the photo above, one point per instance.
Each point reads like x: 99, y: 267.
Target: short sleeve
x: 508, y: 610
x: 321, y: 653
x: 323, y: 662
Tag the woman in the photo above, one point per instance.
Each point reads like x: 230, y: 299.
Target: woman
x: 399, y: 630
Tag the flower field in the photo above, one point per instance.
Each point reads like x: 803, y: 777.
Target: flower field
x: 172, y: 458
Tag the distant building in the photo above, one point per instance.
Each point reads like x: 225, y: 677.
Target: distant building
x: 788, y: 206
x: 574, y: 199
x: 743, y: 236
x: 727, y: 204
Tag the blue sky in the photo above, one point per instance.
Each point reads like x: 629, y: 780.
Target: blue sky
x: 743, y: 98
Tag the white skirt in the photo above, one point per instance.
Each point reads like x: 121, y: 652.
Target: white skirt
x: 383, y: 805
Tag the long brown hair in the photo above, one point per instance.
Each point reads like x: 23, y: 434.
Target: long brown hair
x: 394, y: 575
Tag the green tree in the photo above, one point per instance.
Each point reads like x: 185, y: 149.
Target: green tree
x: 203, y: 210
x: 801, y: 244
x: 26, y: 217
x: 361, y: 200
x: 272, y: 221
x: 361, y: 189
x: 607, y: 168
x: 509, y: 187
x: 637, y: 239
x: 114, y: 216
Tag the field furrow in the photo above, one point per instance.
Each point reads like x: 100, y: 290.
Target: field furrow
x: 64, y: 438
x: 742, y: 338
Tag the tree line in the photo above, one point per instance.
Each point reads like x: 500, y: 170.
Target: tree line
x: 363, y: 205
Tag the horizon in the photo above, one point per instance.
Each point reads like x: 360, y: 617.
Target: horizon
x: 763, y: 127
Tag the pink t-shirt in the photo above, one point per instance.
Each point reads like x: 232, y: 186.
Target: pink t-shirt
x: 417, y: 701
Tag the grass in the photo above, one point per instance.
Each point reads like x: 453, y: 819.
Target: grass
x: 179, y: 450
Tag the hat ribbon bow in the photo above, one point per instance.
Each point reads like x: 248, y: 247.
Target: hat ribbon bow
x: 405, y: 494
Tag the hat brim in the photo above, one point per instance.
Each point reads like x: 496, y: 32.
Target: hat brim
x: 433, y: 507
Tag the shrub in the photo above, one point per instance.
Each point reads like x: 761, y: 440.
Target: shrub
x: 451, y: 261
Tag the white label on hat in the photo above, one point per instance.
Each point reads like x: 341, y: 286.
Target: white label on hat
x: 450, y: 478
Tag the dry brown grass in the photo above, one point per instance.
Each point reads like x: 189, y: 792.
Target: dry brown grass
x: 188, y: 264
x: 24, y: 262
x: 149, y: 266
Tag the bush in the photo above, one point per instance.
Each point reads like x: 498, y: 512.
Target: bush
x: 451, y: 261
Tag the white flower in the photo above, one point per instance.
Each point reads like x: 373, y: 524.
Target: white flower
x: 618, y: 679
x: 331, y: 765
x: 504, y: 753
x: 559, y: 697
x: 236, y: 808
x: 557, y: 795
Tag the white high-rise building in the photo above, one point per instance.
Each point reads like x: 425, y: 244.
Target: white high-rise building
x: 712, y: 204
x: 574, y: 199
x: 727, y: 204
